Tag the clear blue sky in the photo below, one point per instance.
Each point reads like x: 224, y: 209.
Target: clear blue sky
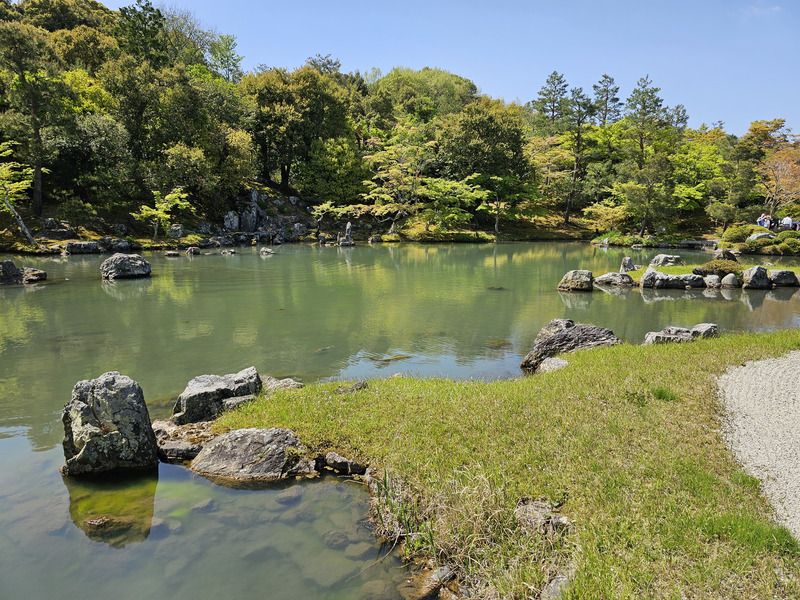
x: 725, y: 60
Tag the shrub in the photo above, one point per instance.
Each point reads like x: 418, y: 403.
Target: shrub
x: 786, y: 235
x: 740, y: 233
x: 792, y: 244
x: 719, y: 267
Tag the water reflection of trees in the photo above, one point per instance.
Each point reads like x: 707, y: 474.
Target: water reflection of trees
x: 220, y: 314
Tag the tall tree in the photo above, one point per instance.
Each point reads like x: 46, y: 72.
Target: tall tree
x: 28, y: 60
x: 645, y: 114
x: 581, y: 113
x: 141, y: 32
x: 223, y: 58
x: 607, y: 103
x: 552, y: 103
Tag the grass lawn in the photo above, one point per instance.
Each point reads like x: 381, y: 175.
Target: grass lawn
x: 625, y: 441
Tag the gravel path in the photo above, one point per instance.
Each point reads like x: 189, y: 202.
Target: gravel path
x: 762, y: 402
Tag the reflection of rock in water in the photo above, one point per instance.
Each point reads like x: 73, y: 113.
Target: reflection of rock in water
x: 125, y: 289
x: 116, y: 511
x: 729, y: 294
x: 621, y: 291
x: 781, y: 294
x: 753, y: 299
x: 655, y: 294
x: 576, y: 300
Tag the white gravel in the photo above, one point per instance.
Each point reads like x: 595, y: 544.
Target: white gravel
x: 762, y: 404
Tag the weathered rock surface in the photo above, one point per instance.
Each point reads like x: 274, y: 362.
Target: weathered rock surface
x: 712, y: 281
x: 681, y: 334
x: 178, y: 443
x: 614, y: 279
x: 730, y: 281
x: 760, y: 236
x: 725, y: 254
x: 551, y: 364
x: 271, y: 384
x: 666, y: 260
x: 577, y: 280
x: 343, y: 465
x: 204, y: 396
x: 175, y: 231
x: 783, y: 278
x: 107, y: 427
x: 564, y: 335
x: 125, y: 266
x: 11, y: 275
x: 83, y: 248
x: 253, y: 455
x: 627, y: 265
x: 756, y: 278
x: 656, y: 279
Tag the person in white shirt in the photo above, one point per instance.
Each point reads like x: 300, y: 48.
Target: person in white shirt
x: 786, y: 223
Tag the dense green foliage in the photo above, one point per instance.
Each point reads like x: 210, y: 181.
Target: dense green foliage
x: 110, y: 107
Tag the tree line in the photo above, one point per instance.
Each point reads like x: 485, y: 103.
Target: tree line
x: 108, y: 113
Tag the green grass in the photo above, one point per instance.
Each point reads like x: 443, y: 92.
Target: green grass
x: 625, y: 440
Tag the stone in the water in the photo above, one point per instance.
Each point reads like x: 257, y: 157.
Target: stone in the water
x: 107, y: 427
x: 577, y: 280
x: 756, y: 278
x: 125, y: 266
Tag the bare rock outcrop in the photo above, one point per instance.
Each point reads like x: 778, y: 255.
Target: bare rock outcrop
x: 564, y: 335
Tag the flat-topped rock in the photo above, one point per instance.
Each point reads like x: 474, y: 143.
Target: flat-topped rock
x: 204, y: 397
x: 254, y: 455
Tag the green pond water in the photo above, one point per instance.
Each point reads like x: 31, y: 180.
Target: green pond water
x: 458, y: 311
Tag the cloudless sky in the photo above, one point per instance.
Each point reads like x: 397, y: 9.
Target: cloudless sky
x: 733, y: 61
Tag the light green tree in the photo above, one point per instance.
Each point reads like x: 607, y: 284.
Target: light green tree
x: 15, y: 179
x: 163, y: 209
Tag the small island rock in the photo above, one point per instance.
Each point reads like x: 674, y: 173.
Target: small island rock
x: 666, y: 260
x: 125, y: 266
x: 206, y: 396
x: 577, y: 280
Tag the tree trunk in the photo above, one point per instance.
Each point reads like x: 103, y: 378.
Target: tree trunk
x: 285, y: 177
x: 644, y: 226
x: 20, y: 222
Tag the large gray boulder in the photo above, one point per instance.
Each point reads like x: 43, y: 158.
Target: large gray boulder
x: 564, y: 335
x: 756, y: 278
x: 206, y: 396
x: 231, y: 221
x: 254, y: 455
x: 783, y: 278
x: 666, y: 260
x: 577, y: 280
x: 614, y: 279
x: 124, y: 266
x: 107, y: 427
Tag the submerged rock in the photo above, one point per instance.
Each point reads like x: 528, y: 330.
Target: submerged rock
x: 107, y: 427
x: 564, y: 335
x: 254, y: 455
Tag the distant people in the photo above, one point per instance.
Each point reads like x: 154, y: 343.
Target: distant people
x: 762, y: 220
x: 772, y: 222
x: 786, y: 223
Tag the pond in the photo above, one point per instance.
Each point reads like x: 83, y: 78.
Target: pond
x: 458, y: 311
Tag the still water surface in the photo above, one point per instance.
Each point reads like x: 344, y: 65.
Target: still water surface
x: 459, y: 311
